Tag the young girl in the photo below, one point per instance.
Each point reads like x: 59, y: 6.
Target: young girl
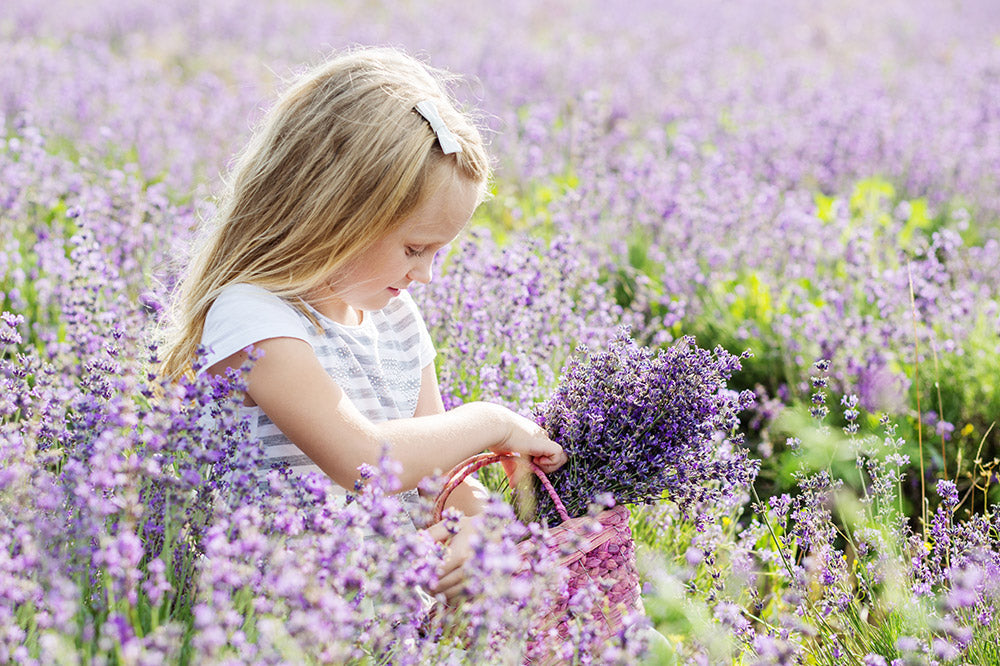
x: 361, y: 172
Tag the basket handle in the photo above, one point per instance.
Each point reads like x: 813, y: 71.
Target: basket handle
x: 463, y: 469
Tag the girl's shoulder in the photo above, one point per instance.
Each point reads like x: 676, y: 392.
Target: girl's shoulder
x: 243, y: 314
x: 247, y: 302
x: 249, y: 294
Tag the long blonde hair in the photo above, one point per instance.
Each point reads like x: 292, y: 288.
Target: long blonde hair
x: 336, y: 164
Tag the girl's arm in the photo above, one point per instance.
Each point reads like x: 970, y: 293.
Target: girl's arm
x: 298, y: 395
x: 470, y: 497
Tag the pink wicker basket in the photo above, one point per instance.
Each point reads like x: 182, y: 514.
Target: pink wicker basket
x: 598, y: 549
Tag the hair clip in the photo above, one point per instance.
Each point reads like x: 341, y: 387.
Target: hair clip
x: 449, y: 144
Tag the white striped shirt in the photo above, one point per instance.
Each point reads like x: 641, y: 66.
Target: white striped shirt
x: 377, y: 363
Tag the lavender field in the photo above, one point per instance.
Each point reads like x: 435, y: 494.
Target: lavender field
x: 817, y: 184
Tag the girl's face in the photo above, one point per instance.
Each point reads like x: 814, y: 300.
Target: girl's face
x: 402, y: 257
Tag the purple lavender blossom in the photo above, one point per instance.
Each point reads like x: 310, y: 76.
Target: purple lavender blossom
x: 637, y: 423
x: 506, y: 317
x: 948, y: 493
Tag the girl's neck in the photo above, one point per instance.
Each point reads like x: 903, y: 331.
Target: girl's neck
x: 338, y: 311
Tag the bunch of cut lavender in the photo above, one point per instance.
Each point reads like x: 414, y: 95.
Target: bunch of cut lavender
x: 635, y: 423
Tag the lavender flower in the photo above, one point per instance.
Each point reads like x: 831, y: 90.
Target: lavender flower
x: 948, y: 493
x: 635, y: 424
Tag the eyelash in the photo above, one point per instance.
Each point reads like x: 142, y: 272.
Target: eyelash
x: 415, y: 252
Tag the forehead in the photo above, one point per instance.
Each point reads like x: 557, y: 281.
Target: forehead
x: 444, y: 212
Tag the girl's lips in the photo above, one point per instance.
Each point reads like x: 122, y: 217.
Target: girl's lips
x: 393, y: 291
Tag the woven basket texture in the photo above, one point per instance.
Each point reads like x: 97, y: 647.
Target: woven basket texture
x: 594, y: 550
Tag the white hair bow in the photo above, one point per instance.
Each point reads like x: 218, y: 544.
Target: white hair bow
x: 449, y: 144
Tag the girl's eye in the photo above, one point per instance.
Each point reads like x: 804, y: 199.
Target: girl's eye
x: 414, y: 251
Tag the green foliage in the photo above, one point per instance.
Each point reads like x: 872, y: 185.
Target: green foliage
x: 514, y: 208
x: 963, y: 387
x: 23, y: 271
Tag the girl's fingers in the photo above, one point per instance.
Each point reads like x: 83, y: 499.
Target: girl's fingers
x: 438, y: 531
x: 453, y: 593
x: 451, y: 584
x: 552, y: 454
x: 450, y: 579
x: 515, y: 469
x: 550, y: 463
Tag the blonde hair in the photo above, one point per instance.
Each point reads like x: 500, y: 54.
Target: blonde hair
x: 336, y: 164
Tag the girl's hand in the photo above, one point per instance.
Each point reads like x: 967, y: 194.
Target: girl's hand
x: 451, y: 579
x: 527, y: 438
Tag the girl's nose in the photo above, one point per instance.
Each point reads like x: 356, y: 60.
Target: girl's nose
x: 421, y: 271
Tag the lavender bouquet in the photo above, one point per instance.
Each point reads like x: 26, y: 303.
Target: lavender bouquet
x: 638, y: 423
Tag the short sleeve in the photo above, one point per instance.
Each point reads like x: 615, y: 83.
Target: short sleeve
x: 244, y: 314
